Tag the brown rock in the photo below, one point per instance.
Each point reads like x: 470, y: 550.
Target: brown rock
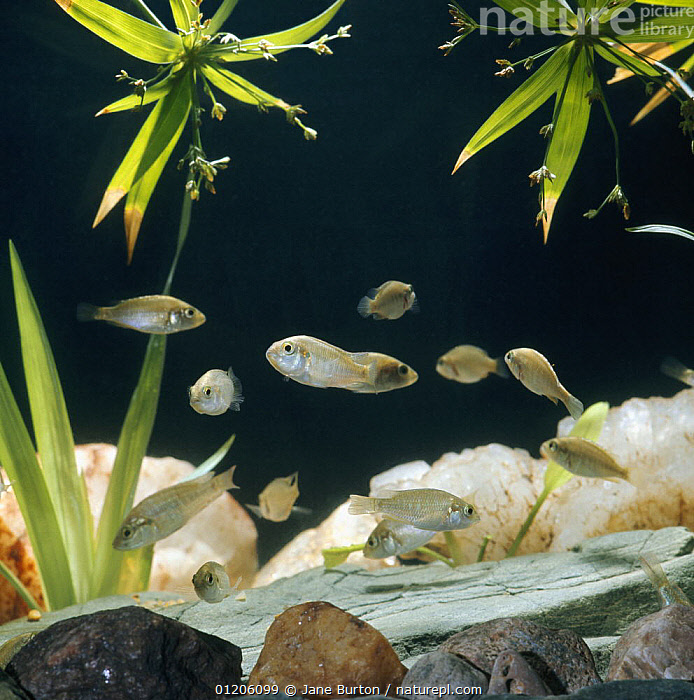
x: 559, y: 657
x: 512, y: 674
x: 439, y: 669
x: 660, y: 645
x: 317, y: 645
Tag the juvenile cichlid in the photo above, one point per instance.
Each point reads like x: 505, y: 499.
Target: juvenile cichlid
x: 216, y: 392
x: 316, y: 363
x: 392, y: 537
x: 427, y: 509
x: 277, y: 499
x: 168, y: 510
x: 668, y: 593
x: 389, y: 301
x: 535, y: 373
x: 211, y: 582
x: 583, y: 458
x: 468, y: 364
x: 675, y: 369
x: 156, y: 314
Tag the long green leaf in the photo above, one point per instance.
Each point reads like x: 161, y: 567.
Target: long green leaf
x: 211, y: 462
x: 541, y: 14
x: 294, y: 35
x: 626, y: 60
x: 18, y: 457
x: 239, y: 88
x: 54, y: 434
x: 221, y: 16
x: 666, y: 29
x: 130, y: 34
x: 670, y: 3
x: 175, y: 108
x: 531, y: 95
x: 132, y: 445
x: 156, y: 92
x: 19, y: 586
x: 184, y: 12
x: 663, y: 228
x: 568, y: 133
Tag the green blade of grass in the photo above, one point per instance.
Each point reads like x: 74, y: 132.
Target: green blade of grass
x: 134, y: 571
x: 18, y: 458
x: 588, y: 426
x: 221, y: 16
x: 568, y: 134
x: 528, y: 97
x: 19, y: 587
x: 294, y: 35
x: 541, y: 14
x: 130, y: 34
x: 626, y: 60
x: 662, y: 228
x: 668, y: 29
x: 239, y: 88
x: 132, y: 445
x: 165, y: 135
x: 211, y: 462
x: 54, y: 434
x: 184, y: 12
x: 152, y: 94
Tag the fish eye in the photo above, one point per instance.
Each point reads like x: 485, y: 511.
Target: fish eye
x: 509, y: 355
x: 288, y: 349
x: 207, y: 391
x: 127, y: 533
x: 552, y: 446
x: 189, y: 312
x: 403, y: 369
x: 468, y: 511
x: 372, y: 541
x: 210, y: 579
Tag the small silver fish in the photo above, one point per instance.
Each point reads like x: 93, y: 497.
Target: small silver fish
x: 668, y: 593
x: 468, y: 364
x: 168, y: 510
x: 675, y: 369
x: 583, y: 458
x: 389, y: 301
x: 216, y: 392
x: 316, y: 363
x: 392, y: 537
x: 211, y: 582
x: 156, y: 314
x: 426, y: 509
x: 277, y: 499
x: 535, y: 373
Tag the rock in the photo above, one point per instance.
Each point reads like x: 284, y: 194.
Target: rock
x: 623, y: 690
x: 130, y: 652
x: 506, y: 483
x: 660, y: 645
x: 440, y: 669
x: 317, y: 645
x: 512, y: 674
x: 9, y: 690
x: 559, y: 657
x: 222, y: 532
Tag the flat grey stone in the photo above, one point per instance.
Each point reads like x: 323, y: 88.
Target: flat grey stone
x: 596, y: 591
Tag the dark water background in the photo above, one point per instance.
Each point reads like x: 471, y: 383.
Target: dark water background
x: 299, y: 231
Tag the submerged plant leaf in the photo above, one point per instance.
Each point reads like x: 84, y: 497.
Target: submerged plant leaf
x: 152, y: 94
x: 570, y: 125
x: 211, y: 462
x: 334, y: 556
x: 131, y: 34
x: 241, y: 89
x: 663, y: 228
x: 184, y: 12
x: 54, y: 435
x: 531, y: 95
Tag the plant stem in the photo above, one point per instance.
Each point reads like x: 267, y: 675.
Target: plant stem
x: 19, y: 587
x: 453, y: 548
x: 436, y: 555
x: 483, y: 548
x: 528, y: 522
x: 183, y: 228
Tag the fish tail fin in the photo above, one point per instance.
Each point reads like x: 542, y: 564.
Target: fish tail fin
x: 653, y: 569
x: 238, y: 396
x: 364, y: 307
x: 674, y: 368
x: 501, y: 368
x: 361, y: 505
x: 415, y: 308
x: 88, y: 312
x: 225, y: 480
x: 574, y: 406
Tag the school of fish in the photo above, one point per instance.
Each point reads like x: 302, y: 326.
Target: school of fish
x: 410, y: 518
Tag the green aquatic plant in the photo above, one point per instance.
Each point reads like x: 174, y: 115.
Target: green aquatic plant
x: 334, y: 556
x: 588, y: 426
x: 73, y: 564
x: 192, y: 58
x: 663, y: 228
x: 592, y: 30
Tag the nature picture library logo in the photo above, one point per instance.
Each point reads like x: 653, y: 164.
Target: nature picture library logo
x: 672, y: 22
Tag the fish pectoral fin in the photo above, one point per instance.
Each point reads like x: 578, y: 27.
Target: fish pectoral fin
x: 553, y: 399
x: 360, y: 388
x: 254, y: 509
x: 300, y: 510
